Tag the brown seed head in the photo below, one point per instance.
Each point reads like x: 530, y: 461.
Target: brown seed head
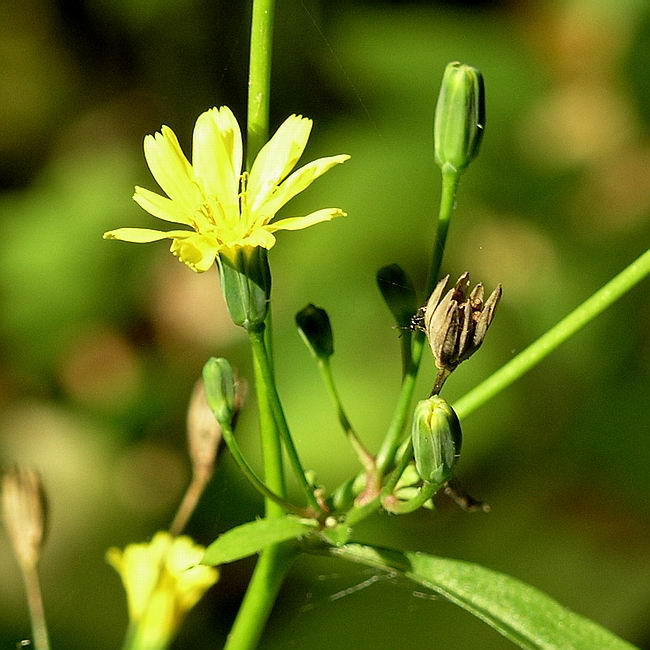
x: 456, y: 324
x: 203, y: 433
x: 203, y: 430
x: 24, y: 510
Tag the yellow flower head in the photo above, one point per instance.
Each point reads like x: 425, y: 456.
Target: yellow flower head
x: 226, y: 209
x: 163, y: 580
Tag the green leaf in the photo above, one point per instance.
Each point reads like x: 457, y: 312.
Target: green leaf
x: 521, y: 613
x: 252, y: 537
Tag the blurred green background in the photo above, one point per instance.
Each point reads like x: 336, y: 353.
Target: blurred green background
x: 102, y: 341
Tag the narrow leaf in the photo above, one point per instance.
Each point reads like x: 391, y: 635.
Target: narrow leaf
x: 518, y: 611
x: 252, y: 537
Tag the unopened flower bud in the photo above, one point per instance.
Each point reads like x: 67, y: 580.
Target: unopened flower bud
x: 460, y: 117
x: 246, y: 284
x: 315, y: 328
x: 437, y: 439
x: 203, y: 433
x: 24, y: 510
x: 398, y: 293
x: 220, y: 390
x: 456, y: 325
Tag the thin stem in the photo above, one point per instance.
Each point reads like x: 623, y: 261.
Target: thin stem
x: 362, y: 510
x: 544, y: 345
x: 425, y: 493
x: 188, y: 504
x: 249, y: 472
x: 267, y: 378
x: 365, y: 457
x: 270, y: 571
x: 389, y: 446
x: 406, y: 351
x: 259, y: 78
x: 36, y: 610
x: 271, y: 443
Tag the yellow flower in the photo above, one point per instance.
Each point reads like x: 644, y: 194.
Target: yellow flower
x: 226, y: 208
x: 163, y: 580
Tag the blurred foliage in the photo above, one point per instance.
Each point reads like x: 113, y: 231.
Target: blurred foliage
x: 101, y: 342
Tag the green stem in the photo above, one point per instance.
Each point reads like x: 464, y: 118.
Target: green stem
x: 391, y: 442
x: 259, y: 78
x: 270, y: 571
x: 36, y: 610
x: 362, y: 510
x: 544, y: 345
x: 427, y: 491
x: 274, y: 560
x: 365, y: 457
x: 249, y: 472
x: 271, y: 443
x: 262, y: 363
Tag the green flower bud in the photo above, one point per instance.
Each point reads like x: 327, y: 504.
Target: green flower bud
x: 460, y: 117
x: 246, y: 285
x: 398, y: 292
x: 220, y: 390
x: 315, y: 328
x: 437, y: 439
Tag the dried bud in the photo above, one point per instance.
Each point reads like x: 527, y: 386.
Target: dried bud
x: 456, y: 325
x: 24, y: 509
x: 203, y: 433
x: 460, y: 117
x: 437, y: 439
x: 316, y: 331
x: 220, y: 390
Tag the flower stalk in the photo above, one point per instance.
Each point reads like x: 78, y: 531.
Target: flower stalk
x: 24, y: 511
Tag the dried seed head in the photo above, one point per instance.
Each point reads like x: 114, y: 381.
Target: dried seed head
x: 203, y: 433
x: 456, y: 324
x: 24, y: 510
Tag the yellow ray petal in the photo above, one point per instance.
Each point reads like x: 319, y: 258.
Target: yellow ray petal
x: 216, y: 154
x: 197, y: 251
x: 160, y: 206
x: 298, y: 223
x: 171, y: 168
x: 260, y: 237
x: 296, y: 183
x: 277, y: 158
x: 145, y: 235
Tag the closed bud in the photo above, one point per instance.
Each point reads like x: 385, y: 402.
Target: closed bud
x: 460, y: 117
x: 398, y: 293
x: 315, y: 328
x: 24, y: 510
x: 246, y: 285
x: 437, y: 439
x: 220, y: 390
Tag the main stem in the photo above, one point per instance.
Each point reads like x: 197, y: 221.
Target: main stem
x: 275, y: 560
x: 263, y: 363
x: 259, y: 78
